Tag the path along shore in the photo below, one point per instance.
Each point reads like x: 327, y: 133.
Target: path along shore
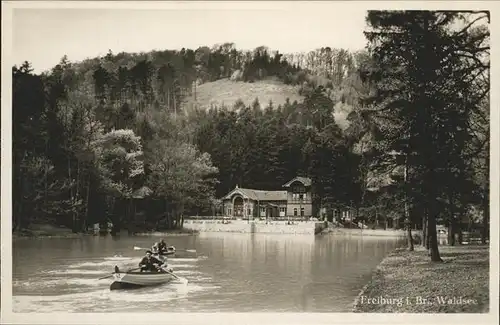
x: 408, y: 282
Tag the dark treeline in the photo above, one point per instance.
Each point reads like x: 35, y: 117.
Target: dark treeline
x: 110, y: 139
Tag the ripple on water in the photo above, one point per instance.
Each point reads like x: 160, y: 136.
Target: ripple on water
x: 83, y: 292
x: 76, y: 272
x: 95, y: 264
x: 105, y: 300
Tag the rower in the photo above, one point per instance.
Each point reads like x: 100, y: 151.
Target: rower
x: 150, y: 263
x: 160, y: 247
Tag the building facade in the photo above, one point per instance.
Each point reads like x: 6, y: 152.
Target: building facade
x: 294, y: 201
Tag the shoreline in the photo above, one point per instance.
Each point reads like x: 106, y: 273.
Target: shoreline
x: 408, y: 282
x: 59, y: 234
x: 18, y: 235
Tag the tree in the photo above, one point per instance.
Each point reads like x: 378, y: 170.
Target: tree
x: 422, y: 76
x: 180, y: 175
x: 121, y: 169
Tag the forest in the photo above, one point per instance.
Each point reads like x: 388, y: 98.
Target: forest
x: 110, y: 139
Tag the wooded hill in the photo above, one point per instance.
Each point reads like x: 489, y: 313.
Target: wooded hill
x: 129, y: 137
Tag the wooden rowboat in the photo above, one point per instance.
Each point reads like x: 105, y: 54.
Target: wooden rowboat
x: 136, y: 279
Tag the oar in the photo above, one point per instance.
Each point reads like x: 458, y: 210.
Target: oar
x: 176, y: 250
x: 175, y: 276
x: 105, y: 277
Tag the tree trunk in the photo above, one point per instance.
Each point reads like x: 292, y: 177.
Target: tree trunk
x: 86, y: 216
x: 432, y: 233
x: 451, y: 225
x: 451, y: 233
x: 424, y: 231
x: 77, y: 195
x: 410, y: 239
x: 179, y: 216
x: 72, y: 200
x: 407, y: 212
x: 167, y: 214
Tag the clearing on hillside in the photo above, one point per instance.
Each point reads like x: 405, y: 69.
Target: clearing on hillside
x: 227, y: 92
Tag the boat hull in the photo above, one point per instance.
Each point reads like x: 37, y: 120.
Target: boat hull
x: 140, y: 279
x: 117, y: 285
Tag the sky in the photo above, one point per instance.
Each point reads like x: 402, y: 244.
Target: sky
x: 43, y: 36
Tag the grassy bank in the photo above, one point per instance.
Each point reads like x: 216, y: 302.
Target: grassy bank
x: 408, y: 282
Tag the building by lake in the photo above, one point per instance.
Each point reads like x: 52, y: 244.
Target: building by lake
x: 294, y: 201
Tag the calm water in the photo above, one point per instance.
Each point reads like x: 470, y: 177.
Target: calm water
x: 228, y: 273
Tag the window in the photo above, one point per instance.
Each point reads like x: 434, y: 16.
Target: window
x: 298, y: 189
x: 301, y: 212
x: 282, y: 209
x: 301, y: 196
x: 262, y: 209
x: 249, y: 212
x: 294, y: 211
x: 229, y: 211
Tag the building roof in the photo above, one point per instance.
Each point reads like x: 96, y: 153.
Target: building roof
x: 306, y: 181
x: 258, y: 195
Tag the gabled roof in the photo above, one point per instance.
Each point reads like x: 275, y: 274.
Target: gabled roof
x: 258, y: 195
x: 306, y: 181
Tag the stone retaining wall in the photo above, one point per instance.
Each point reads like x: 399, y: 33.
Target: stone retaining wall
x: 372, y: 232
x: 243, y: 226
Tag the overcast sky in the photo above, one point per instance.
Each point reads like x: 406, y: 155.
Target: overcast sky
x: 43, y: 36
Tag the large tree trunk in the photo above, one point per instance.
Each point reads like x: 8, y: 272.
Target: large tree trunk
x: 451, y: 232
x: 410, y: 237
x: 432, y: 233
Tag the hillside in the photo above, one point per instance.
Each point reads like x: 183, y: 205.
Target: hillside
x: 227, y: 92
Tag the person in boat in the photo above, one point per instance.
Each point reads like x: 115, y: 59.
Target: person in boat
x: 150, y: 263
x: 160, y: 247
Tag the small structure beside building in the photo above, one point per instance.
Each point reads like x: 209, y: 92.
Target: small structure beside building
x: 295, y: 201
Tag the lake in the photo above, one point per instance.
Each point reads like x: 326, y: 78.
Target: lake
x: 228, y: 273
